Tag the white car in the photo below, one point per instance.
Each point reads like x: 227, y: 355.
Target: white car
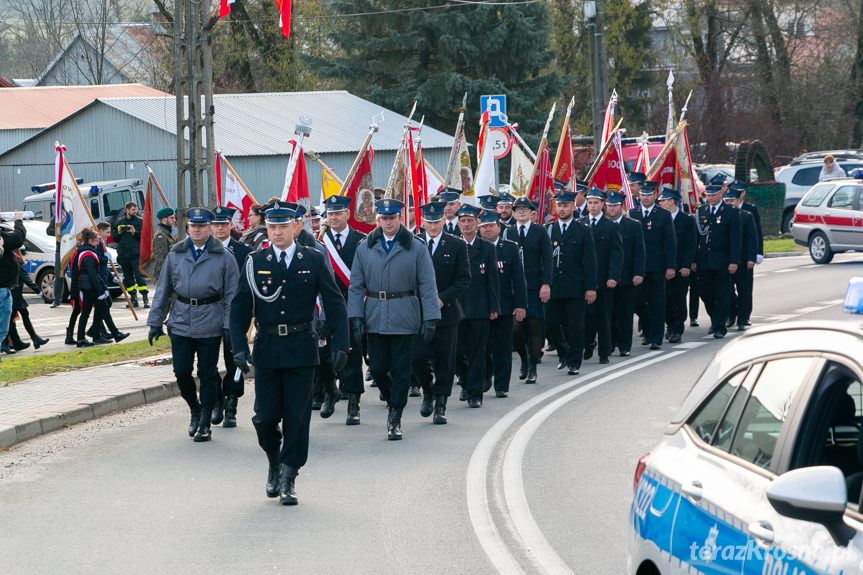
x: 761, y: 469
x: 39, y: 254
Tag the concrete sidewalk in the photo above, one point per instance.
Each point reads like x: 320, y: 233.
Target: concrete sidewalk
x: 40, y: 405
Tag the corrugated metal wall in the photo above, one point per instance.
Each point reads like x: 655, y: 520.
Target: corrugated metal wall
x: 11, y: 138
x: 104, y: 143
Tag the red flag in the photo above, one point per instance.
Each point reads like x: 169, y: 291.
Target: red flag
x: 421, y: 187
x: 667, y: 173
x: 564, y: 163
x: 236, y: 195
x: 147, y: 227
x: 542, y: 191
x: 360, y: 190
x: 225, y: 7
x: 610, y: 174
x: 608, y: 120
x: 284, y: 7
x: 299, y: 190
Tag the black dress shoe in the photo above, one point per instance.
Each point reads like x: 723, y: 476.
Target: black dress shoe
x: 328, y: 407
x: 711, y: 330
x: 274, y: 474
x: 21, y: 345
x: 644, y: 341
x: 39, y: 342
x: 120, y: 336
x: 500, y: 394
x: 655, y: 346
x: 85, y: 343
x: 426, y: 407
x: 675, y: 338
x: 719, y: 334
x: 100, y: 341
x: 204, y: 433
x: 474, y: 402
x: 748, y: 323
x: 693, y: 323
x: 624, y: 354
x: 218, y: 413
x: 230, y: 412
x: 316, y: 404
x: 414, y: 391
x: 287, y: 489
x: 531, y: 374
x: 353, y: 417
x: 731, y: 321
x: 561, y: 364
x: 463, y: 395
x: 439, y: 410
x: 369, y: 374
x: 6, y: 349
x: 193, y: 422
x: 522, y: 374
x: 394, y: 424
x: 588, y: 352
x: 604, y: 360
x: 741, y: 327
x: 572, y: 371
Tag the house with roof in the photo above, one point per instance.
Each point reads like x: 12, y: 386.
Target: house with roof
x: 112, y: 138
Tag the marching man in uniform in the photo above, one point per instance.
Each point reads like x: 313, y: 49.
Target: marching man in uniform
x: 392, y: 298
x: 279, y: 286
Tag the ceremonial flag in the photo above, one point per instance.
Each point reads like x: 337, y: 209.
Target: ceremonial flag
x: 421, y: 195
x: 642, y: 161
x: 299, y: 186
x: 433, y: 180
x: 543, y: 187
x: 520, y: 167
x: 409, y: 181
x: 462, y: 176
x: 284, y: 7
x: 225, y: 7
x: 330, y: 186
x: 153, y: 202
x: 72, y: 214
x: 610, y: 173
x: 686, y: 185
x: 608, y: 122
x: 563, y: 160
x: 484, y: 182
x: 235, y: 195
x: 360, y: 190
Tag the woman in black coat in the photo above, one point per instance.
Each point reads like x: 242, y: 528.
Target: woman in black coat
x: 92, y: 290
x: 19, y: 306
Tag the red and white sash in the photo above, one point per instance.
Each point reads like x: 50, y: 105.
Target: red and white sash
x: 343, y: 272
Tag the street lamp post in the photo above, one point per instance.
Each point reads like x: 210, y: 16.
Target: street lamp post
x: 593, y: 15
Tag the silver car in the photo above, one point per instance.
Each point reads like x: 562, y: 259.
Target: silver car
x: 761, y: 469
x: 829, y: 219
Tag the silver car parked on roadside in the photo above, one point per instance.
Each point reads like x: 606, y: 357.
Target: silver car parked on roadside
x: 829, y: 219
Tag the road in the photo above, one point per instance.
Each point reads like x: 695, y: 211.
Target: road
x: 538, y: 482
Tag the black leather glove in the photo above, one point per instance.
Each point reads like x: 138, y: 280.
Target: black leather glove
x: 358, y: 328
x: 338, y: 359
x: 242, y: 359
x: 429, y: 328
x: 226, y: 335
x: 155, y: 333
x: 323, y: 329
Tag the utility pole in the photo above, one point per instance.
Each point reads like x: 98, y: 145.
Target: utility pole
x: 193, y: 68
x: 594, y: 13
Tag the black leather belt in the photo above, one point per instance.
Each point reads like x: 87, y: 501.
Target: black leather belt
x: 385, y: 295
x: 284, y: 328
x: 195, y: 301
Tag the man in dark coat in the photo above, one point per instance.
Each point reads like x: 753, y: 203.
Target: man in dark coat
x: 741, y: 280
x: 536, y: 255
x: 513, y: 304
x: 573, y: 285
x: 678, y: 286
x: 452, y: 197
x: 231, y: 387
x: 719, y: 237
x: 279, y: 286
x: 452, y: 276
x: 341, y: 241
x: 631, y: 274
x: 481, y: 304
x: 127, y: 235
x: 660, y: 247
x: 609, y: 261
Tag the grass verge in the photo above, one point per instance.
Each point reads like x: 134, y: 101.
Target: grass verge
x: 783, y: 243
x: 14, y: 368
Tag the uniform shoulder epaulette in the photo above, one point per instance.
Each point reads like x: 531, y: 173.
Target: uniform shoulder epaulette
x: 421, y: 240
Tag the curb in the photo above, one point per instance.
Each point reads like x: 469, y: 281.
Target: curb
x: 785, y: 254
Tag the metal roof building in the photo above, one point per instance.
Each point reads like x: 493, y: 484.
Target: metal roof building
x: 112, y: 138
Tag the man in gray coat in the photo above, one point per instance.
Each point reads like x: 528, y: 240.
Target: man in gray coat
x: 204, y: 276
x: 392, y: 297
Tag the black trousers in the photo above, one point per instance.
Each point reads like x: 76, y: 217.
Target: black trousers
x: 741, y: 295
x: 675, y: 304
x: 569, y: 313
x: 184, y: 350
x: 438, y: 358
x: 714, y: 286
x: 132, y: 274
x: 693, y: 296
x: 598, y: 321
x: 76, y: 311
x: 390, y: 357
x: 324, y: 377
x: 527, y: 338
x: 623, y: 310
x: 470, y: 362
x: 499, y: 354
x: 284, y: 396
x: 101, y: 314
x: 227, y: 385
x: 650, y: 306
x: 351, y: 378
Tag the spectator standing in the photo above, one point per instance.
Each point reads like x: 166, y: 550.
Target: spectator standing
x: 831, y: 170
x: 10, y: 240
x: 127, y: 234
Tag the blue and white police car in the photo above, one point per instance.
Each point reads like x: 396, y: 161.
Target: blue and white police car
x: 761, y: 469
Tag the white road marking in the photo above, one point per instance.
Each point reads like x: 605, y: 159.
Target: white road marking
x: 513, y: 480
x: 785, y: 271
x: 803, y: 310
x: 759, y: 275
x: 477, y: 471
x: 780, y: 317
x: 690, y: 344
x: 830, y: 302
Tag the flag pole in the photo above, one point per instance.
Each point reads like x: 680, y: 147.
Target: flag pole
x: 685, y: 107
x: 666, y: 149
x: 302, y: 130
x: 562, y: 136
x: 392, y: 179
x: 59, y: 283
x: 373, y: 127
x: 602, y: 152
x: 542, y: 143
x: 513, y: 128
x: 158, y: 187
x: 459, y: 130
x: 315, y: 157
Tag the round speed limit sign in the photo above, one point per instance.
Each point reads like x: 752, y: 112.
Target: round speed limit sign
x: 499, y: 141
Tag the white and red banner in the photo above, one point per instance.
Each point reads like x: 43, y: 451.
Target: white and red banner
x: 72, y: 215
x: 234, y: 193
x: 361, y: 192
x: 298, y: 189
x: 225, y: 7
x: 608, y: 122
x: 610, y: 173
x: 484, y: 181
x: 340, y: 268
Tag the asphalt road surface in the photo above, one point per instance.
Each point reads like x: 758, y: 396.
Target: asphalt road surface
x: 538, y: 482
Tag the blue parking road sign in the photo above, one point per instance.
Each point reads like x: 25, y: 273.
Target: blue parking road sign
x: 496, y: 107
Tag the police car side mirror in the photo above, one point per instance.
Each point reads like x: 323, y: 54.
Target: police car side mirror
x: 817, y: 494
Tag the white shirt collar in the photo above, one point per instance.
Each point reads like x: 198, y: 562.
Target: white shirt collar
x: 597, y: 218
x: 617, y: 221
x: 429, y: 237
x: 226, y: 242
x: 526, y: 226
x: 674, y: 213
x: 289, y: 253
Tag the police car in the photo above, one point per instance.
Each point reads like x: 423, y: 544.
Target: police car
x: 761, y: 469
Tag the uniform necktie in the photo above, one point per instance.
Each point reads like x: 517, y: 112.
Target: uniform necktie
x: 646, y: 213
x: 283, y: 260
x: 389, y: 245
x: 521, y: 233
x: 338, y: 241
x: 563, y: 231
x: 593, y: 223
x: 431, y: 245
x: 198, y: 252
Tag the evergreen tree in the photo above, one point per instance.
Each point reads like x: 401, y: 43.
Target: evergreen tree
x: 408, y: 50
